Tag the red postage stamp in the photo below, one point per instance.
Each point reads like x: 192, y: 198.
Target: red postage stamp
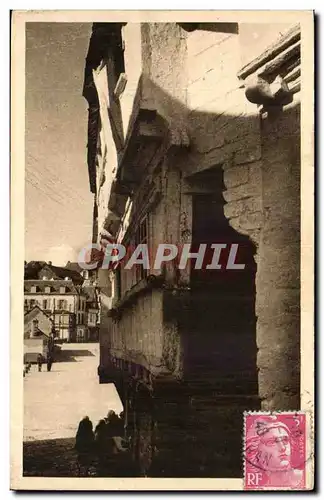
x: 274, y: 450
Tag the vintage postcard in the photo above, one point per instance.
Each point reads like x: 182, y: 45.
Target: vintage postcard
x: 162, y: 250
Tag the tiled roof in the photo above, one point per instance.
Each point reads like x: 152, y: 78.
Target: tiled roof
x: 55, y: 285
x: 33, y: 313
x: 36, y: 270
x: 74, y: 266
x: 32, y: 269
x: 63, y: 272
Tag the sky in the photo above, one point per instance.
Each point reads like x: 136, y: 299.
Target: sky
x: 58, y: 202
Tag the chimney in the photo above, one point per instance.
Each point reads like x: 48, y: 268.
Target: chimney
x: 34, y: 328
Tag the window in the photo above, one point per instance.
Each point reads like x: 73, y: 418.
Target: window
x: 32, y: 302
x: 141, y: 238
x: 48, y: 289
x: 62, y: 304
x: 92, y: 318
x: 62, y: 289
x: 45, y: 304
x: 35, y: 326
x: 126, y: 278
x: 34, y: 289
x: 118, y: 282
x: 80, y: 318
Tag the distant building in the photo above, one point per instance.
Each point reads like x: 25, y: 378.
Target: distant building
x: 37, y: 323
x: 92, y: 312
x: 58, y: 292
x: 89, y: 331
x: 38, y: 327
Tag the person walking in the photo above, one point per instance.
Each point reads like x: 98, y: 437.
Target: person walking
x: 39, y: 362
x: 49, y: 362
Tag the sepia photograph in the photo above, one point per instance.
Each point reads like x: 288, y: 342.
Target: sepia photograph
x: 162, y: 250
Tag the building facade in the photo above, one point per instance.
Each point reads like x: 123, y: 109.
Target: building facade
x: 59, y: 294
x: 194, y: 138
x: 38, y: 331
x: 88, y: 331
x: 37, y: 322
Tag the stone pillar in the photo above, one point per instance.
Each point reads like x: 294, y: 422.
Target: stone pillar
x: 278, y: 285
x: 272, y: 81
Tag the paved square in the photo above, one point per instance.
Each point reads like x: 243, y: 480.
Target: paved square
x: 55, y: 401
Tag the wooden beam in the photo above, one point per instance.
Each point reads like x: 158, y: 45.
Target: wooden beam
x: 274, y: 50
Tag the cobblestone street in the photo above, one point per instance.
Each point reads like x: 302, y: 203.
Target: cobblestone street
x: 55, y: 402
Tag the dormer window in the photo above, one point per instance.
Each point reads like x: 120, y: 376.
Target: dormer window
x: 62, y: 289
x: 34, y: 289
x: 66, y: 278
x: 48, y: 289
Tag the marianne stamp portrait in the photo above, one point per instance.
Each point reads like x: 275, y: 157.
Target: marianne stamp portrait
x: 162, y: 250
x: 275, y: 453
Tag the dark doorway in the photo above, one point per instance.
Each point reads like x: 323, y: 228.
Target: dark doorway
x: 221, y: 334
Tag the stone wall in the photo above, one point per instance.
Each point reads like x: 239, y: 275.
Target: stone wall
x: 164, y: 70
x: 260, y: 157
x: 278, y: 258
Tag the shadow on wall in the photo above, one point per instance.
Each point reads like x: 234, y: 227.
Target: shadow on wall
x: 216, y: 137
x: 228, y: 154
